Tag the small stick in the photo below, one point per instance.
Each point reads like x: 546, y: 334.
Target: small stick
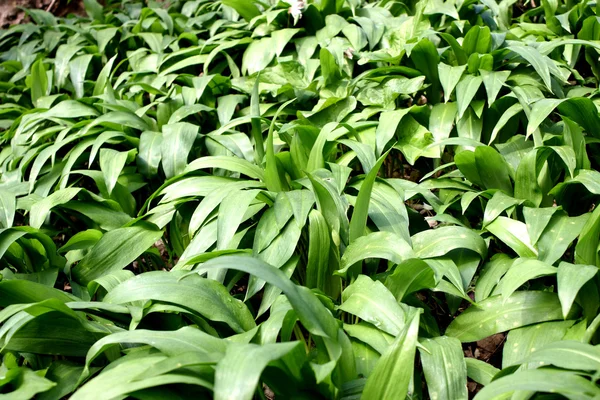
x: 51, y: 5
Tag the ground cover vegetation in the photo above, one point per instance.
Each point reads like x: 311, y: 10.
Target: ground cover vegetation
x: 327, y: 199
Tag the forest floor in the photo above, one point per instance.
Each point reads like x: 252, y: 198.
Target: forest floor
x: 11, y: 11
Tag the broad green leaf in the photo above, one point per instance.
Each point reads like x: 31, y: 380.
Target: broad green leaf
x: 558, y: 236
x: 521, y: 271
x: 40, y: 210
x: 150, y: 153
x: 537, y: 220
x: 369, y: 334
x: 570, y: 280
x: 480, y: 371
x: 491, y: 274
x: 372, y: 302
x: 8, y: 206
x: 465, y: 91
x: 493, y: 82
x: 238, y: 373
x: 499, y: 203
x: 107, y: 256
x: 477, y: 40
x: 203, y: 296
x: 438, y: 242
x: 542, y: 380
x: 247, y: 9
x: 384, y: 245
x: 449, y: 77
x: 410, y: 276
x: 494, y: 171
x: 444, y: 367
x: 318, y: 266
x: 539, y: 112
x: 388, y: 123
x: 134, y: 373
x: 568, y: 354
x: 393, y: 372
x: 184, y: 340
x: 586, y: 250
x: 537, y: 61
x: 358, y: 222
x: 506, y: 116
x: 112, y: 163
x: 521, y: 342
x: 26, y: 383
x: 177, y: 142
x: 514, y: 234
x: 233, y: 164
x: 77, y: 69
x: 39, y: 81
x: 426, y: 59
x: 496, y: 314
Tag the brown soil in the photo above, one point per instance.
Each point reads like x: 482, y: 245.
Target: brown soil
x: 11, y: 14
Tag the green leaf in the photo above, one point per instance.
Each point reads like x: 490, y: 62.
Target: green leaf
x: 561, y: 231
x: 521, y: 342
x: 410, y: 276
x: 586, y: 250
x: 139, y: 371
x: 438, y: 242
x: 465, y: 91
x: 26, y: 383
x: 112, y: 163
x: 426, y: 59
x: 494, y: 171
x: 537, y: 61
x: 107, y: 256
x: 477, y: 40
x: 521, y: 271
x: 318, y: 267
x: 480, y: 371
x: 537, y: 220
x: 569, y: 355
x: 237, y: 374
x: 150, y: 153
x: 181, y: 341
x: 41, y: 209
x: 514, y: 234
x: 449, y: 77
x: 540, y: 111
x: 393, y: 372
x: 247, y: 9
x: 570, y: 280
x: 444, y: 367
x: 203, y: 296
x: 499, y: 203
x: 94, y: 10
x: 77, y: 69
x: 358, y: 223
x: 506, y: 116
x: 176, y: 145
x: 372, y: 302
x: 493, y: 82
x: 39, y: 81
x: 384, y: 245
x: 310, y: 311
x: 496, y: 314
x: 561, y: 382
x: 233, y: 164
x: 8, y: 206
x: 388, y: 123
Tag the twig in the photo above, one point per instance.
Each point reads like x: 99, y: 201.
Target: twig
x: 50, y: 6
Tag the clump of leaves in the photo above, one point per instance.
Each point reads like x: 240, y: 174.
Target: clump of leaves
x: 308, y: 199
